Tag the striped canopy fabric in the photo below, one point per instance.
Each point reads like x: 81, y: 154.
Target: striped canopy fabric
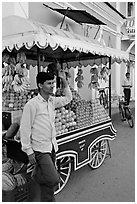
x: 18, y: 32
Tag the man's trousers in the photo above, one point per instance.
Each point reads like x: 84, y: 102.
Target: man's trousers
x: 46, y: 175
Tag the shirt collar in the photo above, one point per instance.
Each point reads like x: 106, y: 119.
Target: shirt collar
x: 42, y: 99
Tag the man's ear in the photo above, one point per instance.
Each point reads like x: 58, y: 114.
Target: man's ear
x: 40, y: 85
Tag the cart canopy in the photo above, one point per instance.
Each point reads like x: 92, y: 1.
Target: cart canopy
x: 20, y: 33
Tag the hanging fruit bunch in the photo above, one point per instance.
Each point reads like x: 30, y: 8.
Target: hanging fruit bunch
x: 8, y: 71
x: 94, y: 78
x: 21, y: 81
x: 60, y: 89
x: 104, y: 73
x: 79, y: 78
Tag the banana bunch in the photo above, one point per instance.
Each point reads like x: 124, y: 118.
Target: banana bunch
x: 21, y: 88
x: 20, y: 84
x: 7, y: 77
x: 7, y: 80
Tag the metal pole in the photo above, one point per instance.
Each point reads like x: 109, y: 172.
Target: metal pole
x: 38, y: 59
x: 97, y: 32
x: 64, y: 18
x: 110, y: 87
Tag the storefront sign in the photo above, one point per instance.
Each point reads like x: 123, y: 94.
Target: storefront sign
x: 130, y: 25
x: 65, y: 27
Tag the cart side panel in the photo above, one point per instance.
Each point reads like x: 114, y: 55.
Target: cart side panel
x: 78, y: 145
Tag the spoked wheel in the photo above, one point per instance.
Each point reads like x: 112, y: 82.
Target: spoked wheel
x: 98, y: 153
x: 129, y: 118
x: 131, y: 122
x: 121, y: 112
x: 63, y: 164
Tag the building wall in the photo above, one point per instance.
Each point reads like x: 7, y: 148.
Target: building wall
x: 123, y: 7
x: 7, y: 9
x: 39, y: 13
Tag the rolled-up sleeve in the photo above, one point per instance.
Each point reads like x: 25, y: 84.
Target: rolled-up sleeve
x: 63, y: 100
x: 25, y: 128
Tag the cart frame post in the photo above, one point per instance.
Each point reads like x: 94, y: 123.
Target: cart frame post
x: 38, y: 59
x: 110, y: 87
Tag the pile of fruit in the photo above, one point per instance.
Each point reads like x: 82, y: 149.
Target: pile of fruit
x: 64, y: 121
x: 9, y: 180
x: 99, y: 112
x: 79, y: 113
x: 84, y: 113
x: 12, y: 100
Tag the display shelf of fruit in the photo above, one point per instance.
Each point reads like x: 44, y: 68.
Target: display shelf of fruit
x: 15, y: 101
x: 99, y: 112
x: 87, y: 113
x: 83, y: 113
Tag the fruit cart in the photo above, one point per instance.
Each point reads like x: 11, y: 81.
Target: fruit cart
x: 84, y: 128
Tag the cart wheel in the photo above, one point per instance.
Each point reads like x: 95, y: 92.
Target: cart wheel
x: 131, y: 122
x: 121, y: 112
x: 63, y: 164
x: 129, y: 117
x: 98, y: 153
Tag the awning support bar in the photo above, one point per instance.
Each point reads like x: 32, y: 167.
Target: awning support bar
x: 97, y: 32
x: 64, y: 18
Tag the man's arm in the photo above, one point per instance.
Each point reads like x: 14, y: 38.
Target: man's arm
x: 25, y: 131
x: 25, y: 128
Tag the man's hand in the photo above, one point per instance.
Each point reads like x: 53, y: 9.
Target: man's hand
x: 32, y: 159
x: 62, y: 75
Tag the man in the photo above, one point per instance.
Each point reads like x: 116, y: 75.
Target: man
x: 127, y: 87
x: 38, y: 135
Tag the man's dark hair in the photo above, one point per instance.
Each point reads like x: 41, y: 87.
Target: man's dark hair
x: 43, y: 76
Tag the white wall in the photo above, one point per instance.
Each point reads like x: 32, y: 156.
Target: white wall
x: 7, y: 9
x: 15, y: 8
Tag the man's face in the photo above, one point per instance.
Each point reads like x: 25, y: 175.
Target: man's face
x: 48, y: 86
